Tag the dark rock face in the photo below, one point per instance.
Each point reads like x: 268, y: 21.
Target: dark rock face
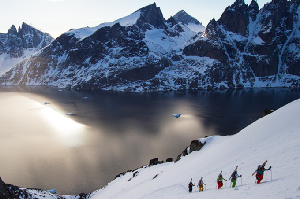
x: 151, y: 16
x: 171, y: 21
x: 253, y: 10
x: 204, y: 48
x: 235, y: 18
x: 195, y: 145
x: 267, y: 112
x: 153, y: 161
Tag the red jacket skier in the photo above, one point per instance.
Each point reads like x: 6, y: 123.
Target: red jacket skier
x: 260, y: 172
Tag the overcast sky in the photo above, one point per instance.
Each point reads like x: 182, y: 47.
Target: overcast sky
x: 58, y: 16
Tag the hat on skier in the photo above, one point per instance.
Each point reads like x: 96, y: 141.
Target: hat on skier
x: 264, y: 164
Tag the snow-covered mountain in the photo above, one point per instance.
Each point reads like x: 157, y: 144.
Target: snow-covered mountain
x: 125, y: 54
x: 18, y: 45
x: 246, y: 47
x: 274, y: 137
x: 251, y: 47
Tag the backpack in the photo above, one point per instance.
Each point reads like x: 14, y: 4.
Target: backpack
x: 233, y: 175
x: 200, y: 182
x: 260, y: 169
x: 220, y: 177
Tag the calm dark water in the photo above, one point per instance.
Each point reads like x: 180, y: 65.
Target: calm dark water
x: 44, y: 146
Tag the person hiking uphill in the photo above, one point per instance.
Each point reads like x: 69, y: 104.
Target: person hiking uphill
x: 260, y: 172
x: 190, y: 186
x: 200, y: 184
x: 234, y: 176
x: 220, y: 180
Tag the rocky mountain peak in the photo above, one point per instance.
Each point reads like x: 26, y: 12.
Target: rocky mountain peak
x: 211, y: 29
x: 15, y: 41
x: 12, y: 30
x: 253, y: 9
x: 279, y: 1
x: 151, y: 15
x: 171, y: 21
x: 32, y: 38
x: 185, y: 18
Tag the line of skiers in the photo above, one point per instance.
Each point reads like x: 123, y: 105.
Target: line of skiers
x: 259, y: 176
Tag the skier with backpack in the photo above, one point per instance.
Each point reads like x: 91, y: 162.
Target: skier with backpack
x: 234, y: 176
x: 260, y: 172
x: 220, y: 180
x: 190, y: 186
x: 200, y: 184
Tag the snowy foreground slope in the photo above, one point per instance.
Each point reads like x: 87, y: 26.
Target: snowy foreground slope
x: 274, y: 138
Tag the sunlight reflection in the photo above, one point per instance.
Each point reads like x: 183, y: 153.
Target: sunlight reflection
x: 188, y: 126
x: 67, y: 130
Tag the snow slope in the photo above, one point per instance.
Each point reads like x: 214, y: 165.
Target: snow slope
x: 6, y: 62
x: 274, y: 138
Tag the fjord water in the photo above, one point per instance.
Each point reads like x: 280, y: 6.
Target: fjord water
x: 78, y: 141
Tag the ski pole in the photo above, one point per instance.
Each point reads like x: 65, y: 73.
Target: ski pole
x: 271, y: 174
x: 241, y: 180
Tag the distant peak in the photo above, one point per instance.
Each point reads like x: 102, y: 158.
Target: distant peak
x: 150, y: 6
x: 152, y: 14
x: 253, y: 2
x: 253, y: 9
x: 239, y: 2
x: 185, y: 18
x: 13, y: 30
x: 181, y: 12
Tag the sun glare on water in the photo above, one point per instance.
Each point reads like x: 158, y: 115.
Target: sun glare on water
x: 67, y: 131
